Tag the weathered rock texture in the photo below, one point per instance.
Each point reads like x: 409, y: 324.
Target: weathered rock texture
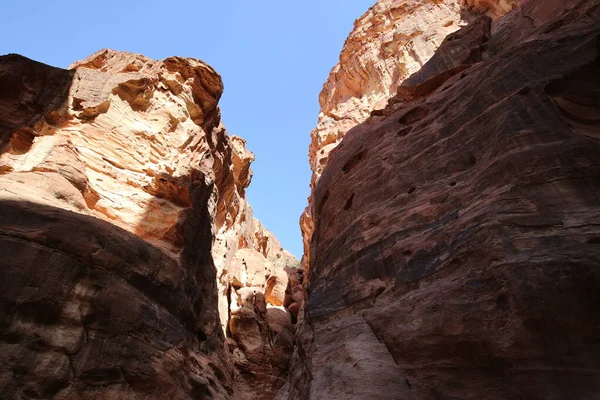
x: 455, y: 250
x: 263, y: 313
x: 392, y: 40
x: 389, y: 43
x: 122, y: 214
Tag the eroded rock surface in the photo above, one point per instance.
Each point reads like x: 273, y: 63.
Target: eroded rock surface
x: 455, y: 249
x: 122, y: 207
x: 261, y: 326
x: 388, y: 44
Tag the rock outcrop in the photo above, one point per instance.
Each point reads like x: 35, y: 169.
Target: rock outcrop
x: 455, y: 247
x: 261, y: 324
x: 389, y: 43
x: 123, y: 220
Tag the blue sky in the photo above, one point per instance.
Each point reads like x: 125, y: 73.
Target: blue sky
x: 274, y: 57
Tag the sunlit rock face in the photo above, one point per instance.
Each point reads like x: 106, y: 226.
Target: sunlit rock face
x: 491, y: 8
x: 454, y: 252
x: 129, y: 133
x: 122, y: 209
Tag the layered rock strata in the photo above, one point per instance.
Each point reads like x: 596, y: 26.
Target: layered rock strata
x: 123, y: 215
x: 455, y: 248
x: 389, y: 43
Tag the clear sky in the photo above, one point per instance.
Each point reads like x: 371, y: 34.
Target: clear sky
x: 274, y: 57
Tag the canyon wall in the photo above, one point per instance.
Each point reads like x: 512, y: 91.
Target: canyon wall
x: 388, y: 44
x: 451, y: 240
x: 452, y: 235
x: 131, y: 253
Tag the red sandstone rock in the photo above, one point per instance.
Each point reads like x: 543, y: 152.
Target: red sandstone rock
x: 262, y: 346
x: 455, y: 238
x: 455, y: 249
x: 391, y: 41
x: 122, y: 204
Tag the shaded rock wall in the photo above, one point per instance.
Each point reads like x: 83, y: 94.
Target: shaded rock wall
x: 455, y: 248
x: 388, y: 44
x: 123, y: 209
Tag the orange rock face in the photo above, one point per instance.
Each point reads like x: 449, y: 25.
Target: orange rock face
x: 455, y: 245
x: 132, y: 151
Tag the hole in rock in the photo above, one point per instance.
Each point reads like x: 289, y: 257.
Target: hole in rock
x: 77, y: 104
x: 404, y: 132
x: 524, y: 91
x: 353, y: 162
x: 414, y: 115
x: 348, y: 204
x: 553, y: 26
x: 30, y: 393
x: 411, y: 189
x: 502, y: 301
x: 467, y: 162
x: 322, y: 202
x: 577, y: 100
x: 21, y: 142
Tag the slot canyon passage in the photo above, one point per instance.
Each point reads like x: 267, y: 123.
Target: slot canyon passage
x: 451, y: 240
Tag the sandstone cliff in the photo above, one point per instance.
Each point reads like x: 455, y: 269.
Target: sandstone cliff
x: 453, y: 233
x: 389, y: 43
x: 132, y: 251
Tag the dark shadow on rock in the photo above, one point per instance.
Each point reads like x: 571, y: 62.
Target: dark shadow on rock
x: 99, y: 305
x: 29, y: 91
x: 196, y: 257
